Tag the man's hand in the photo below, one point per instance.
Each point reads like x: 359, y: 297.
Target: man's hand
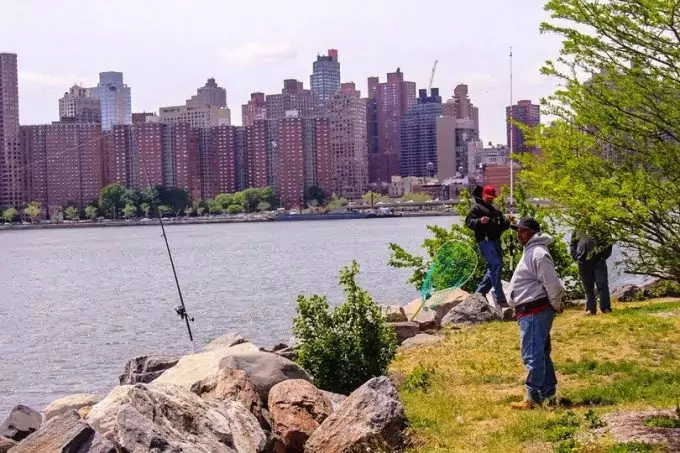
x: 561, y: 309
x: 484, y: 220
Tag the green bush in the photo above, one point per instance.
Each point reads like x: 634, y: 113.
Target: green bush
x: 420, y: 379
x: 566, y: 267
x: 344, y: 347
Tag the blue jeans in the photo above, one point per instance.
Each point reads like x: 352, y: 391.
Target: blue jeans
x: 595, y: 274
x: 493, y: 255
x: 534, y: 333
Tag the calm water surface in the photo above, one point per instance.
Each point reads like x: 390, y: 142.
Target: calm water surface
x: 77, y: 304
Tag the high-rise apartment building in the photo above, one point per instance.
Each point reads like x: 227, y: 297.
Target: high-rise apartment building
x: 526, y: 113
x: 261, y: 146
x: 64, y: 163
x: 145, y: 117
x: 12, y: 184
x: 419, y: 135
x: 255, y: 109
x: 446, y: 145
x: 77, y: 106
x: 458, y: 110
x: 220, y: 148
x: 464, y: 108
x: 293, y: 97
x: 325, y: 78
x: 349, y: 143
x: 115, y: 99
x: 210, y: 94
x: 393, y: 99
x: 198, y: 116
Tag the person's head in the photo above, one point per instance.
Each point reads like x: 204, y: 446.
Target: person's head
x: 489, y: 193
x: 526, y: 228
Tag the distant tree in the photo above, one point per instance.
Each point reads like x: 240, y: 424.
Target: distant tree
x: 200, y: 210
x: 177, y: 199
x: 91, y: 212
x: 164, y: 209
x: 56, y: 213
x: 188, y: 211
x: 72, y: 213
x: 129, y: 211
x: 34, y: 211
x: 146, y: 208
x: 234, y: 209
x: 263, y: 206
x: 416, y: 197
x: 336, y: 202
x: 112, y: 199
x: 373, y: 197
x: 315, y: 193
x: 9, y: 215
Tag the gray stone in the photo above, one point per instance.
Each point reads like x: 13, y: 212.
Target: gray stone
x: 145, y: 369
x: 72, y: 402
x: 405, y: 330
x: 628, y: 293
x: 336, y: 399
x: 168, y: 418
x: 66, y: 433
x: 264, y: 369
x: 371, y: 419
x: 473, y: 310
x: 421, y: 339
x: 430, y: 316
x: 394, y: 313
x: 21, y: 422
x: 225, y: 341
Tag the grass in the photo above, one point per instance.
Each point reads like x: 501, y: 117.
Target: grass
x: 457, y: 393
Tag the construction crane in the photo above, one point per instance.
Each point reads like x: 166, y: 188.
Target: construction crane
x: 434, y: 68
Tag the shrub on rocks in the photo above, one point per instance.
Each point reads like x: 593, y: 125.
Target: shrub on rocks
x: 345, y: 347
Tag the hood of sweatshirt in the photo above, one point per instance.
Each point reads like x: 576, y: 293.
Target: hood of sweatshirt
x: 539, y: 240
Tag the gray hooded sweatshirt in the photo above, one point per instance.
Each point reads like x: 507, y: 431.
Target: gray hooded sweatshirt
x: 535, y: 276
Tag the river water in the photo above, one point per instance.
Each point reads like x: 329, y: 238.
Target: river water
x: 78, y: 303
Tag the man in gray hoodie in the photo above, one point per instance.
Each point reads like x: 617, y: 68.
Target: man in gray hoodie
x: 535, y: 293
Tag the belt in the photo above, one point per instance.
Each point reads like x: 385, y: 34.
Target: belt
x: 530, y: 306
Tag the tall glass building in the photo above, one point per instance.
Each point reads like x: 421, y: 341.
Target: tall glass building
x: 115, y: 98
x: 325, y: 78
x: 419, y: 135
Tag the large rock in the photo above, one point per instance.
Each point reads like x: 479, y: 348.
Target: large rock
x: 628, y: 293
x: 473, y: 310
x: 168, y: 418
x: 371, y: 419
x: 65, y: 433
x: 297, y: 408
x: 422, y: 339
x: 431, y: 318
x: 225, y: 341
x: 72, y: 402
x: 231, y: 385
x: 394, y: 313
x: 336, y: 399
x: 491, y: 295
x: 144, y: 369
x: 405, y: 330
x: 21, y: 422
x: 6, y: 444
x: 194, y: 367
x: 264, y: 369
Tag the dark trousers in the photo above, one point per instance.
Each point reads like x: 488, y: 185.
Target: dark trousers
x: 594, y: 274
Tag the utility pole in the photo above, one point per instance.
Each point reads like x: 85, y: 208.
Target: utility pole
x: 512, y: 141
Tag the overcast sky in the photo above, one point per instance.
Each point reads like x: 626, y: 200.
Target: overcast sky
x: 168, y: 48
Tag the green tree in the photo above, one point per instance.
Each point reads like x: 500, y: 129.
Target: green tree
x: 263, y: 206
x: 146, y: 209
x: 129, y: 211
x: 610, y: 159
x: 34, y: 211
x: 91, y: 212
x: 9, y: 214
x: 164, y: 209
x: 374, y: 197
x: 347, y: 346
x: 234, y: 209
x: 416, y: 197
x: 188, y: 211
x: 200, y: 210
x: 112, y: 199
x: 336, y: 203
x: 72, y: 213
x: 315, y: 193
x: 559, y: 250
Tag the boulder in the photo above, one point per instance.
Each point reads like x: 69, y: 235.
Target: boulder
x: 288, y: 353
x: 21, y: 422
x: 264, y: 369
x: 144, y: 369
x: 6, y: 444
x: 64, y: 433
x: 275, y: 444
x: 628, y: 293
x: 475, y: 309
x: 405, y: 330
x: 371, y: 419
x: 225, y: 341
x: 431, y: 318
x: 421, y: 339
x: 75, y: 402
x: 297, y: 409
x: 491, y: 295
x: 231, y: 385
x: 194, y: 367
x: 394, y: 313
x: 166, y: 417
x: 336, y: 399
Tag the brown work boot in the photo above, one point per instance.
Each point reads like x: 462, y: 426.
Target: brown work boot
x: 523, y: 405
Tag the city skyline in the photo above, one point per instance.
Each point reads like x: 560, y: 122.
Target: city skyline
x: 245, y: 66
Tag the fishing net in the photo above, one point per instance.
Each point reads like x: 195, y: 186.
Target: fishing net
x: 452, y: 266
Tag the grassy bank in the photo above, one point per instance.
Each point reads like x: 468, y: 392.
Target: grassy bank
x: 457, y: 393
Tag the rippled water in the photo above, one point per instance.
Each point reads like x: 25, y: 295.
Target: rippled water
x: 76, y: 304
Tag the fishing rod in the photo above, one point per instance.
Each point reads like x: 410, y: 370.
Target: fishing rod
x: 181, y: 309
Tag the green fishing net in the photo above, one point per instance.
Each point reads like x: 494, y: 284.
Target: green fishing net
x: 452, y: 266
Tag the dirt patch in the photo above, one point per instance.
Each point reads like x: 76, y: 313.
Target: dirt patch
x: 630, y: 427
x: 668, y: 314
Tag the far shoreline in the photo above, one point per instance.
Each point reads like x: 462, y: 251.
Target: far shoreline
x: 173, y: 221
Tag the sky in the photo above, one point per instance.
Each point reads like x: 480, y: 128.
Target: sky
x: 167, y: 49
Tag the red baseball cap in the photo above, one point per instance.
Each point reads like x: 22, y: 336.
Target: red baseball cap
x: 489, y: 191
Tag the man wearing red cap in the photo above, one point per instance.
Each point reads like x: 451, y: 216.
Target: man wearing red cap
x: 488, y: 223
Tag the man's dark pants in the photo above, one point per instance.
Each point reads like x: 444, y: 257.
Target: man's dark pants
x: 595, y: 274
